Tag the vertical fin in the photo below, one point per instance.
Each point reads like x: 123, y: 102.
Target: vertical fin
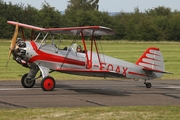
x: 152, y: 59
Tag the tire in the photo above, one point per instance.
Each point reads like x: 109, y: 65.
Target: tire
x: 48, y: 83
x: 148, y: 85
x: 26, y: 83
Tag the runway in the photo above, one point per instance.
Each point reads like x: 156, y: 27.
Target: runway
x: 78, y: 93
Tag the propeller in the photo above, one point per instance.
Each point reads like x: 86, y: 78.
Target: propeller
x: 13, y: 43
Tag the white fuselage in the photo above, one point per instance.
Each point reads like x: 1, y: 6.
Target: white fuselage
x: 70, y: 61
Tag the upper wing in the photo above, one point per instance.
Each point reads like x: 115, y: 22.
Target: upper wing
x: 85, y: 30
x: 25, y: 25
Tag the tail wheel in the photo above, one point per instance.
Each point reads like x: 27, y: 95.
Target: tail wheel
x: 27, y: 83
x: 48, y: 83
x: 148, y: 85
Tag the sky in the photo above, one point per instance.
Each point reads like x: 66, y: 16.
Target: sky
x: 107, y: 5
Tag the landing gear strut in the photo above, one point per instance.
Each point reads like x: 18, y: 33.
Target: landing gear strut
x: 148, y: 85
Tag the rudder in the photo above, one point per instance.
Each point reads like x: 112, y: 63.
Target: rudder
x: 152, y: 59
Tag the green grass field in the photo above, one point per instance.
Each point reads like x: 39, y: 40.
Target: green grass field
x: 94, y: 113
x: 129, y: 51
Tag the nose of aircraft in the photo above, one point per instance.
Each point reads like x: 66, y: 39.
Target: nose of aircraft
x: 19, y: 52
x: 20, y: 49
x: 17, y: 48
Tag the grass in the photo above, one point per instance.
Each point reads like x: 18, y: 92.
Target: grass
x: 129, y: 51
x: 94, y: 113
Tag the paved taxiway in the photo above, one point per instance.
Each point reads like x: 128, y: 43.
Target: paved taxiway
x: 76, y: 93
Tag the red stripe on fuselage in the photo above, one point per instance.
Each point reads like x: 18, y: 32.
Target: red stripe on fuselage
x: 53, y: 58
x: 135, y: 73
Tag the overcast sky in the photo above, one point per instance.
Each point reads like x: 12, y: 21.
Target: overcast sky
x: 107, y: 5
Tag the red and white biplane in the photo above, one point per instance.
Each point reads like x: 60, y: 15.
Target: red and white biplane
x: 39, y: 55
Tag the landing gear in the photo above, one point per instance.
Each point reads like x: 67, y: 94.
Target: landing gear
x: 28, y: 80
x: 48, y: 83
x: 27, y: 83
x: 148, y: 85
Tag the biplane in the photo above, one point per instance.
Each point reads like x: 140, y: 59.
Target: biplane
x: 48, y: 57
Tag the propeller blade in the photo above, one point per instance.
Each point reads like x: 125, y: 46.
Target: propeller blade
x: 13, y: 43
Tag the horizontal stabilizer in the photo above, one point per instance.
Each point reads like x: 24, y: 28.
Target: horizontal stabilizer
x: 159, y: 71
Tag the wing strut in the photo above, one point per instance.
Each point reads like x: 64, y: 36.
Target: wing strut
x: 33, y: 37
x: 89, y: 61
x: 89, y: 65
x: 22, y: 32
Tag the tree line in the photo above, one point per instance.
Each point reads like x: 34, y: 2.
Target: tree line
x: 155, y: 24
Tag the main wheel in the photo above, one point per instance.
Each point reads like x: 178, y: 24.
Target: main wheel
x: 48, y: 83
x: 148, y: 85
x: 27, y: 83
